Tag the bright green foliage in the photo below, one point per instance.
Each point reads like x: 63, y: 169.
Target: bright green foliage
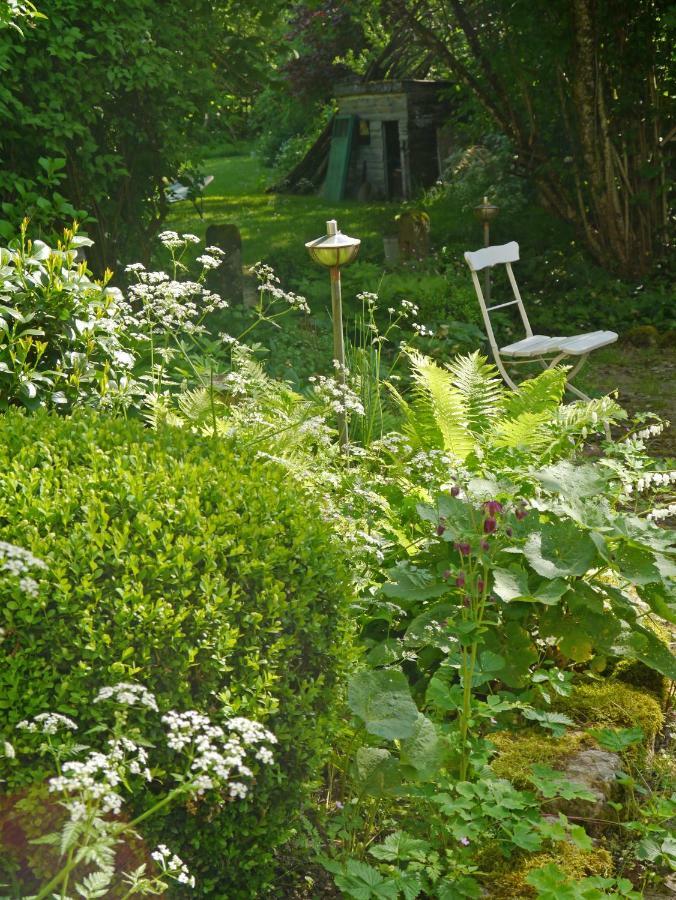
x: 204, y: 574
x: 60, y: 331
x: 616, y: 704
x: 552, y: 883
x: 98, y: 102
x: 464, y: 408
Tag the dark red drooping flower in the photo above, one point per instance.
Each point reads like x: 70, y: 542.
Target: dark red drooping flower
x: 508, y: 531
x: 485, y: 546
x: 460, y: 580
x: 462, y: 548
x: 521, y: 513
x: 440, y: 529
x: 492, y: 507
x: 455, y: 490
x: 490, y: 525
x: 481, y: 584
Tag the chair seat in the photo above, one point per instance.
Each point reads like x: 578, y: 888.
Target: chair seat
x: 574, y: 345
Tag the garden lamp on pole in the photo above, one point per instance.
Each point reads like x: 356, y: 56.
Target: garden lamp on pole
x: 485, y: 213
x: 333, y: 251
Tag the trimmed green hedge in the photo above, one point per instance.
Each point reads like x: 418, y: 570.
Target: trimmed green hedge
x: 207, y: 575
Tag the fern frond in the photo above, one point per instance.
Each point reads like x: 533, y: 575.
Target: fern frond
x: 592, y: 414
x: 197, y: 406
x: 543, y: 393
x: 437, y: 398
x: 480, y: 385
x: 156, y: 412
x: 527, y: 431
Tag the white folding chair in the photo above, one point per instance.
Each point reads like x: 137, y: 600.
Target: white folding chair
x: 549, y: 351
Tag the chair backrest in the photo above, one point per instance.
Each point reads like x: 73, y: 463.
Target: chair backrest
x: 504, y: 254
x: 492, y: 256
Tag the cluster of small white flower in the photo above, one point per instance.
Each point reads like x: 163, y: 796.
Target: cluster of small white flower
x: 429, y: 464
x: 94, y: 781
x: 649, y: 432
x: 337, y: 395
x: 422, y: 330
x: 156, y: 303
x: 128, y: 695
x: 18, y: 561
x: 125, y: 752
x: 393, y: 443
x: 173, y: 241
x: 665, y: 512
x: 268, y: 283
x: 216, y: 754
x: 212, y: 258
x: 47, y: 723
x: 173, y: 865
x: 29, y: 586
x: 651, y: 480
x: 408, y: 308
x: 368, y: 298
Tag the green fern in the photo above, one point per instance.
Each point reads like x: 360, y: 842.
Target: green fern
x: 437, y: 399
x: 481, y: 387
x: 527, y: 431
x: 543, y: 393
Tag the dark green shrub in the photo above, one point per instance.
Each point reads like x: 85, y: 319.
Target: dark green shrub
x: 203, y: 573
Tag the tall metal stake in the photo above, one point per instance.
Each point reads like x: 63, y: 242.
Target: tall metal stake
x: 339, y: 345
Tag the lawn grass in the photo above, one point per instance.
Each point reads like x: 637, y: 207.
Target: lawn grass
x: 274, y: 227
x: 269, y: 222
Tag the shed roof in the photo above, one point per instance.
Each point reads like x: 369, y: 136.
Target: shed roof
x: 407, y: 86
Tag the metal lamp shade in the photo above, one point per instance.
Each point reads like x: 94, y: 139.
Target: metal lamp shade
x: 335, y: 248
x: 486, y: 211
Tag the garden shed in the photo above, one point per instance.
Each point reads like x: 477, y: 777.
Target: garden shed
x: 384, y: 141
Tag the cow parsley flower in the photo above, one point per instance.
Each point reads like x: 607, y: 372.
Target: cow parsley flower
x: 128, y: 695
x: 47, y: 723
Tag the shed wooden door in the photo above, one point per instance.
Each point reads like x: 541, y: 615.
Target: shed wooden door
x: 394, y: 175
x: 339, y: 157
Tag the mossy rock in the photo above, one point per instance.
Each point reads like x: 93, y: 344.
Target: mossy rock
x: 637, y: 674
x: 507, y: 881
x: 668, y: 338
x: 642, y: 336
x: 615, y: 704
x: 518, y: 751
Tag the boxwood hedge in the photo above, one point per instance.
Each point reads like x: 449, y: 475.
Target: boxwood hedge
x: 203, y: 573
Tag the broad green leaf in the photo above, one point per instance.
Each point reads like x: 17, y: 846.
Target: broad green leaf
x: 376, y: 771
x: 382, y: 700
x: 432, y: 628
x: 510, y: 584
x: 526, y: 837
x: 514, y: 584
x: 572, y: 481
x: 425, y: 750
x: 515, y: 645
x: 442, y: 696
x: 643, y: 644
x: 409, y: 584
x: 637, y: 565
x: 400, y: 847
x: 385, y: 653
x: 459, y: 889
x: 451, y: 512
x: 363, y: 882
x: 617, y: 740
x: 660, y: 599
x: 552, y: 783
x: 560, y: 549
x: 553, y: 721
